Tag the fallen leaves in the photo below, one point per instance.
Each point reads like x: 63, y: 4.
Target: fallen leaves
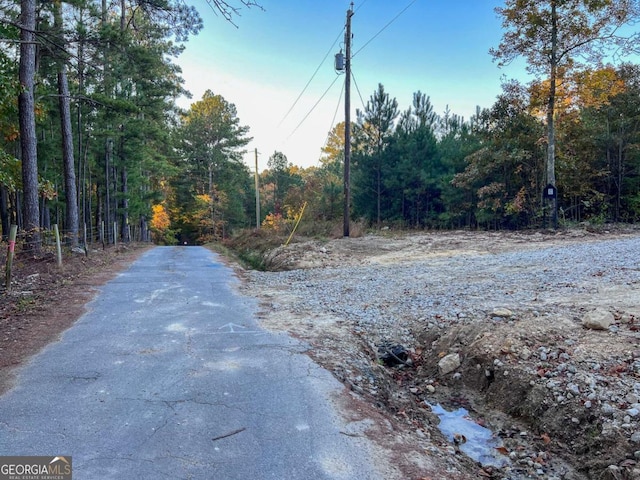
x: 502, y: 450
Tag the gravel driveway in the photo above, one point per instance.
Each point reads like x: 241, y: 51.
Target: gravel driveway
x: 511, y: 307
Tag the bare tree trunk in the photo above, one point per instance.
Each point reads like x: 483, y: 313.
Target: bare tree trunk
x: 18, y: 209
x: 124, y: 187
x: 551, y: 129
x: 84, y: 214
x: 4, y: 211
x: 28, y: 137
x: 107, y: 186
x: 125, y: 205
x: 99, y: 215
x: 71, y: 194
x: 144, y: 231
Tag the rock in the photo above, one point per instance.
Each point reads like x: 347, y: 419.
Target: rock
x: 431, y: 389
x: 630, y: 316
x: 635, y: 437
x: 573, y: 388
x: 449, y: 363
x: 502, y: 313
x: 525, y: 354
x: 598, y: 319
x: 631, y: 398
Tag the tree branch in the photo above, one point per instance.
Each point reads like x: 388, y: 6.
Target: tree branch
x: 228, y: 11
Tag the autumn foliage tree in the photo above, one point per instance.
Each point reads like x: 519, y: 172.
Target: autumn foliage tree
x: 554, y: 36
x: 211, y: 142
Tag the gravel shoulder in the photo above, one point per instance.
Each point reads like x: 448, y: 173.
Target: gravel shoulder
x: 536, y: 335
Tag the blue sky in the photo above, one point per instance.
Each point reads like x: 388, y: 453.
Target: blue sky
x: 440, y: 47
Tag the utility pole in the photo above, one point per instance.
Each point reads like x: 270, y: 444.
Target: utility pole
x: 347, y: 123
x: 257, y: 193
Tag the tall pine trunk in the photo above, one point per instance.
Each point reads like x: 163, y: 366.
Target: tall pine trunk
x: 71, y: 195
x: 551, y: 113
x: 124, y: 219
x: 28, y: 137
x: 124, y: 205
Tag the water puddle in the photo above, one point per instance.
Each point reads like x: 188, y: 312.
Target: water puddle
x: 475, y: 441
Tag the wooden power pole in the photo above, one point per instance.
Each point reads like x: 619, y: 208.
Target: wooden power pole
x: 347, y: 123
x: 257, y: 193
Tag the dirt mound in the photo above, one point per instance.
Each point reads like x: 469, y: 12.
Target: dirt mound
x: 391, y: 247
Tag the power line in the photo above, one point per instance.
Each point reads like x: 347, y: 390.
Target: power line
x: 361, y: 5
x: 312, y: 77
x: 333, y: 120
x: 358, y: 89
x: 385, y: 27
x: 335, y: 114
x: 313, y: 108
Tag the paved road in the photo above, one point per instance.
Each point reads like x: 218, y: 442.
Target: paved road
x: 169, y: 376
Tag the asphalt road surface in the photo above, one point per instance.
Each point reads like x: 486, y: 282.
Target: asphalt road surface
x: 168, y: 375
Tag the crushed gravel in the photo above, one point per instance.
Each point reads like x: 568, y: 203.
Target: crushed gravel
x: 459, y: 287
x: 515, y: 303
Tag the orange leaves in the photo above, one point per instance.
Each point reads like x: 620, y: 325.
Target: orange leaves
x: 160, y: 219
x: 11, y: 133
x: 583, y: 89
x: 275, y: 222
x: 595, y: 88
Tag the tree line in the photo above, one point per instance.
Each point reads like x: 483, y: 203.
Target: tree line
x: 91, y: 137
x: 419, y: 169
x: 90, y: 133
x: 563, y: 147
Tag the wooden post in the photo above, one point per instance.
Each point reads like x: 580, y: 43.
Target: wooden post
x: 115, y: 233
x: 102, y: 234
x: 58, y: 247
x: 13, y: 231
